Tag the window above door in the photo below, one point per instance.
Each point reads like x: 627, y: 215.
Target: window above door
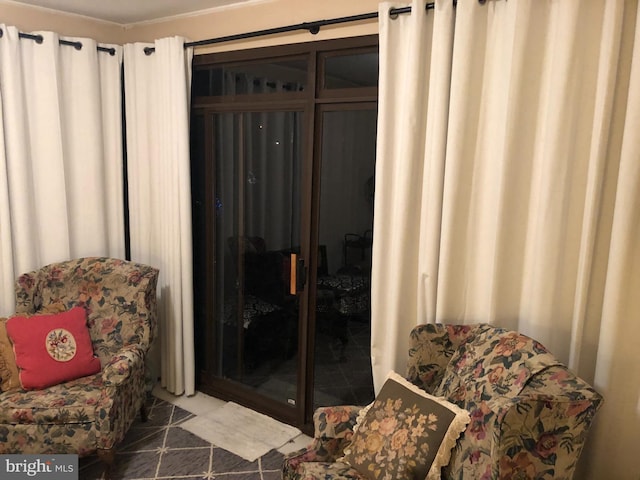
x: 345, y: 69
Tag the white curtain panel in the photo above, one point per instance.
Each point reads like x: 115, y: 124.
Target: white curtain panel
x: 508, y: 190
x: 61, y: 157
x: 612, y: 451
x: 157, y: 90
x: 415, y: 65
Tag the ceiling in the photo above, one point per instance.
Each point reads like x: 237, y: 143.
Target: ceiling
x: 130, y: 11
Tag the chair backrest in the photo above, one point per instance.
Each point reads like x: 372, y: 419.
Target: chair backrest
x: 518, y: 394
x: 119, y: 297
x: 494, y: 361
x: 431, y: 347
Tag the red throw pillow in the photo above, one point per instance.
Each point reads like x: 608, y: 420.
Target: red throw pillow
x: 52, y: 349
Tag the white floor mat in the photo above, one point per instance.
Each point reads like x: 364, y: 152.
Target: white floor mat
x: 240, y: 430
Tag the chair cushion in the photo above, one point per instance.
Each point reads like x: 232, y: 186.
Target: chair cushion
x: 75, y: 401
x: 351, y: 292
x: 52, y: 348
x: 405, y: 434
x: 253, y: 309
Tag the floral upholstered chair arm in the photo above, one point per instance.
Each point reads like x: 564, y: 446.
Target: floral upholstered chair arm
x: 333, y: 431
x: 128, y: 359
x: 543, y: 430
x: 537, y: 434
x: 533, y: 435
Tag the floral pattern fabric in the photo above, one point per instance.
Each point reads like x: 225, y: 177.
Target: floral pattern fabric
x: 393, y: 435
x: 94, y: 412
x: 405, y: 434
x: 119, y: 297
x: 530, y: 415
x: 430, y: 350
x: 322, y: 470
x: 333, y: 432
x: 9, y: 376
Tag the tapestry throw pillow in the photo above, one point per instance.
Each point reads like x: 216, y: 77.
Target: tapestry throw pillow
x: 8, y: 370
x: 52, y: 348
x: 405, y: 433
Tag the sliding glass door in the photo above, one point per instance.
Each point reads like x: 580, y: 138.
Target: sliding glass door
x: 283, y: 152
x: 257, y: 171
x: 342, y: 360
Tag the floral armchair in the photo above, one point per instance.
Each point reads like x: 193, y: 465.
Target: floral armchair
x: 92, y: 413
x: 530, y: 415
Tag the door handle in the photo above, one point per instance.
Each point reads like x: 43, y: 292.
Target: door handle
x: 297, y: 274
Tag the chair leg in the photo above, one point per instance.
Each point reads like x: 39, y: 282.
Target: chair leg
x: 107, y: 456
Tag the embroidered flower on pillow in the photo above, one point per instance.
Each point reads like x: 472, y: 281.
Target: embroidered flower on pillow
x: 405, y: 433
x: 394, y: 432
x: 61, y: 345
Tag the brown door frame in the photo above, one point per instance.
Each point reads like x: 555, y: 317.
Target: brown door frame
x: 312, y: 102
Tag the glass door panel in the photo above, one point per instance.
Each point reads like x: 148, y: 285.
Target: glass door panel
x: 257, y: 178
x: 343, y: 328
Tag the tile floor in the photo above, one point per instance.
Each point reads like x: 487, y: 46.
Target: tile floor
x: 160, y: 449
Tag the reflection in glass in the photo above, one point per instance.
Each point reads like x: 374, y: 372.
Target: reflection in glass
x: 257, y: 225
x: 343, y: 326
x: 250, y: 78
x: 351, y: 71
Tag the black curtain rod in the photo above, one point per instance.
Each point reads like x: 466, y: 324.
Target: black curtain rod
x: 77, y: 45
x: 311, y: 27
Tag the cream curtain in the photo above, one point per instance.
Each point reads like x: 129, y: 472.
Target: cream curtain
x: 60, y: 154
x: 508, y: 190
x: 415, y: 65
x: 157, y: 90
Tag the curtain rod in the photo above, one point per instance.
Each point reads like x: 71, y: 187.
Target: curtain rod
x: 312, y: 27
x: 77, y: 45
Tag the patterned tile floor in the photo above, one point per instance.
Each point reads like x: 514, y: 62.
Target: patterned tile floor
x: 160, y: 449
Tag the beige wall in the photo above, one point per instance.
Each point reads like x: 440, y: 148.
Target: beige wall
x: 259, y: 15
x: 33, y: 19
x: 246, y: 17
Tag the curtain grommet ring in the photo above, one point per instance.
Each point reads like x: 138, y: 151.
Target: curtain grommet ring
x: 393, y: 14
x: 482, y: 2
